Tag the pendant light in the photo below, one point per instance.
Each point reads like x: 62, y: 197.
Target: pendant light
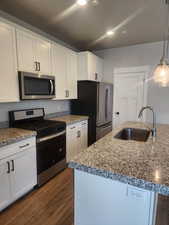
x: 161, y: 73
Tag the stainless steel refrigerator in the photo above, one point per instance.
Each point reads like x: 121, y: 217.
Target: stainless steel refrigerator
x: 95, y: 99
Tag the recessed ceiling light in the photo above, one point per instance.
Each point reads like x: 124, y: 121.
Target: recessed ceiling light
x: 95, y: 2
x: 110, y: 33
x: 81, y: 2
x: 124, y: 32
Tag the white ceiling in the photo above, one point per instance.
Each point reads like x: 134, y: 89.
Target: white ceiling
x: 133, y: 21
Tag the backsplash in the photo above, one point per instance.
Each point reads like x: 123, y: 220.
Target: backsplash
x: 51, y: 107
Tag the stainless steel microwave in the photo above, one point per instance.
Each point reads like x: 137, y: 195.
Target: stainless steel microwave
x: 34, y: 86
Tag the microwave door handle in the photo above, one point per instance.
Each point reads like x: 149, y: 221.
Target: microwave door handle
x: 52, y: 88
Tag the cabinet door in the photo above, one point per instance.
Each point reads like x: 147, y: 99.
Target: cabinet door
x: 84, y: 134
x: 8, y: 68
x: 92, y: 67
x: 71, y: 141
x: 43, y: 56
x: 72, y: 74
x: 59, y: 65
x: 26, y: 52
x: 99, y: 69
x: 5, y: 185
x: 23, y: 172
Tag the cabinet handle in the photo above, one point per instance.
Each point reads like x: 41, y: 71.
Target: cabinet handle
x: 72, y: 128
x: 66, y: 93
x: 78, y: 134
x: 36, y: 66
x: 39, y: 65
x: 9, y: 169
x: 96, y: 76
x: 23, y: 146
x: 13, y: 166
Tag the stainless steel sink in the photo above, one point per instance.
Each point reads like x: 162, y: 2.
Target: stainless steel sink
x: 133, y: 134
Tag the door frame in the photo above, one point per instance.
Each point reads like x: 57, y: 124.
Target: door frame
x: 133, y: 71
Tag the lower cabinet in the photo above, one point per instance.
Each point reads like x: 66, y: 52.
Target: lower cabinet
x: 18, y: 173
x: 5, y: 186
x: 76, y: 139
x: 100, y: 201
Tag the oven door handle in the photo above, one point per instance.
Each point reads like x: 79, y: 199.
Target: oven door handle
x: 39, y: 140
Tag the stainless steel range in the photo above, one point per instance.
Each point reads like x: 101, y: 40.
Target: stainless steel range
x: 51, y: 141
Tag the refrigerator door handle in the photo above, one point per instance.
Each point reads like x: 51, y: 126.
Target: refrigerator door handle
x: 98, y: 105
x: 106, y: 104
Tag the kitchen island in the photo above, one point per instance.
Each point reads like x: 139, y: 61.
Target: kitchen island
x: 117, y: 182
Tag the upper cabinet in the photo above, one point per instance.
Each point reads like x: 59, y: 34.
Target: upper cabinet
x: 34, y: 53
x: 90, y: 67
x: 23, y: 50
x: 64, y: 68
x: 9, y: 91
x: 71, y: 74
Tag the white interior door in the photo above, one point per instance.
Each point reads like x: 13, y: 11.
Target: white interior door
x: 129, y: 96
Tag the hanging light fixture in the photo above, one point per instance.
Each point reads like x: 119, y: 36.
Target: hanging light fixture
x: 161, y: 73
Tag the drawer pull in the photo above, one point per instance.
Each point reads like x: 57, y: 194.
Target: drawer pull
x: 9, y: 169
x: 72, y: 128
x: 23, y: 146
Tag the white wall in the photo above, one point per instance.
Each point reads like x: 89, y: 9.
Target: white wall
x: 139, y: 55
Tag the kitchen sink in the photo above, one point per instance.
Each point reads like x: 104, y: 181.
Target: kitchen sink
x: 133, y: 134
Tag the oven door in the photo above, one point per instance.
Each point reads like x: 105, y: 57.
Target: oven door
x: 50, y: 151
x: 33, y: 86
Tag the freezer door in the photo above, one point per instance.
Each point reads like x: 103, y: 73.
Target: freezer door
x: 104, y: 103
x: 103, y: 130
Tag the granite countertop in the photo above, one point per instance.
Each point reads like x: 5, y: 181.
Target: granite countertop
x: 141, y: 164
x: 70, y: 119
x: 12, y: 135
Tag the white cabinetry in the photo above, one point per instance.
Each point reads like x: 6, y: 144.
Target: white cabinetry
x: 90, y: 67
x: 18, y: 171
x: 64, y: 68
x: 34, y: 53
x: 71, y: 74
x: 8, y: 68
x: 5, y: 185
x: 76, y: 138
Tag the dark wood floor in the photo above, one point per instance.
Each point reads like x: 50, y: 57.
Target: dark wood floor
x: 52, y: 204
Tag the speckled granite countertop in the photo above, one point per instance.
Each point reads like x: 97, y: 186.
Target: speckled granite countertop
x: 70, y: 119
x: 141, y: 164
x: 12, y: 135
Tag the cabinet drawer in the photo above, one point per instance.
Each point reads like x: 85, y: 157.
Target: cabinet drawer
x: 20, y: 146
x: 72, y: 127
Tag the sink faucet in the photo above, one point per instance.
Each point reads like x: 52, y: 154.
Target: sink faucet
x: 153, y: 130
